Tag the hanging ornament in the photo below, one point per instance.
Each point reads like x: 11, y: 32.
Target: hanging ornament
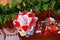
x: 25, y: 22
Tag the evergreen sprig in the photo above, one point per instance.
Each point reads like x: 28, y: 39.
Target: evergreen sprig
x: 9, y: 11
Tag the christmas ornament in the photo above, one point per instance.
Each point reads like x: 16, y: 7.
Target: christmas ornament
x: 25, y: 22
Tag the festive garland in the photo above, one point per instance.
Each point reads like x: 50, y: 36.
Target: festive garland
x: 9, y: 11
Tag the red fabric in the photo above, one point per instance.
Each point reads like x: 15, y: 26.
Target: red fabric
x: 16, y: 17
x: 17, y: 24
x: 24, y: 12
x: 32, y: 22
x: 25, y: 28
x: 31, y: 15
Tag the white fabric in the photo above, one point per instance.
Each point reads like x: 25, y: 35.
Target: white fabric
x: 25, y: 18
x: 52, y: 19
x: 21, y: 20
x: 11, y: 37
x: 2, y: 35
